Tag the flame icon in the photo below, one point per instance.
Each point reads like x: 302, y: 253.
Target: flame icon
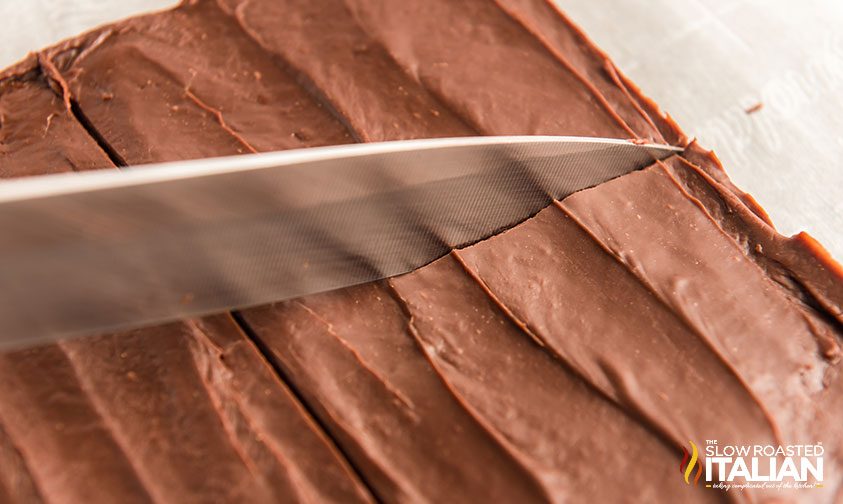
x: 686, y: 467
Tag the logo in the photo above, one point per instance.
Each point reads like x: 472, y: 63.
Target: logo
x: 686, y: 467
x: 731, y: 466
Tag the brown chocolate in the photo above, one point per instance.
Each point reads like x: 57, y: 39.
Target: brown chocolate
x: 571, y: 47
x: 182, y: 411
x: 384, y: 404
x: 569, y: 358
x: 186, y: 74
x: 354, y: 73
x: 536, y: 407
x: 551, y: 257
x: 458, y: 61
x: 38, y: 133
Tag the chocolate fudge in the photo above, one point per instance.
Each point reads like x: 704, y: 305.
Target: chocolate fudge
x: 570, y: 358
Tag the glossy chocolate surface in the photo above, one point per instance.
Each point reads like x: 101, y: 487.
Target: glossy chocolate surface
x: 567, y: 359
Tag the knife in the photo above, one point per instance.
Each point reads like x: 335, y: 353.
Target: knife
x: 93, y: 252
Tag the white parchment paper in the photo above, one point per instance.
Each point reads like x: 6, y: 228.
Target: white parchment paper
x: 704, y: 61
x: 707, y: 62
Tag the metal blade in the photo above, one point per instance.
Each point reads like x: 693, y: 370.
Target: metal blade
x: 100, y: 251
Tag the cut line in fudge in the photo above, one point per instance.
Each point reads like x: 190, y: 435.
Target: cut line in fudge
x: 37, y: 132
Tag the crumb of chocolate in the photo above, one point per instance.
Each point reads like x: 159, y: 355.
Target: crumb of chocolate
x: 755, y: 108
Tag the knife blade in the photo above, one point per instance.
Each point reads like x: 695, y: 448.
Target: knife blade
x: 93, y: 252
